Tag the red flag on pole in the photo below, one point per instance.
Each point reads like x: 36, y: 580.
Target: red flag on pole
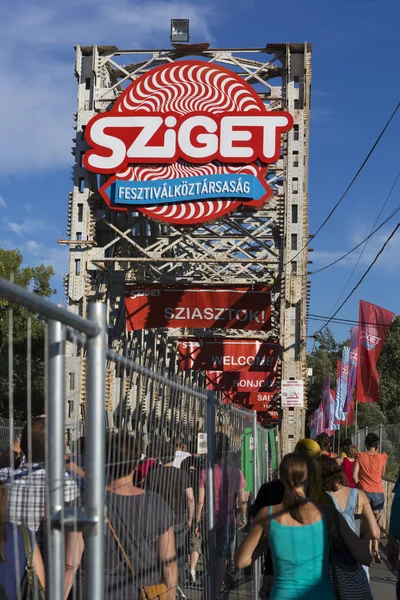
x: 374, y: 323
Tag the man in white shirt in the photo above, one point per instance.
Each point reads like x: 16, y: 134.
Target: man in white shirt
x: 180, y: 452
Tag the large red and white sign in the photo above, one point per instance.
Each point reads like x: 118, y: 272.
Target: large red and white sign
x: 250, y: 357
x: 242, y: 307
x: 185, y: 143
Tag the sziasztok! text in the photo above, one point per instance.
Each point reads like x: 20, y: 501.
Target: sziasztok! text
x: 118, y: 140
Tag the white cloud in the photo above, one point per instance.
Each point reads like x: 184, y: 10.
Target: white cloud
x: 27, y: 226
x: 37, y: 85
x: 388, y: 261
x: 35, y: 253
x: 3, y: 203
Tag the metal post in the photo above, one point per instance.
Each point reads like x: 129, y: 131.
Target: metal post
x: 210, y: 427
x: 95, y: 455
x: 356, y: 426
x: 56, y: 466
x: 267, y: 452
x: 380, y: 437
x: 338, y: 444
x: 256, y: 565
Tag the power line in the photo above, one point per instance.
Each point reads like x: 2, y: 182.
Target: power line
x: 340, y: 321
x: 362, y: 278
x: 369, y: 236
x: 366, y: 244
x: 351, y: 182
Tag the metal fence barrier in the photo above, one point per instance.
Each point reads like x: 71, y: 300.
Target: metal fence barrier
x: 228, y: 457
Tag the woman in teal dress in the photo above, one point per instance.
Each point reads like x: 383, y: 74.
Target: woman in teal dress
x: 298, y: 536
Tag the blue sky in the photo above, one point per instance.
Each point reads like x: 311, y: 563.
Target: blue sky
x: 355, y: 88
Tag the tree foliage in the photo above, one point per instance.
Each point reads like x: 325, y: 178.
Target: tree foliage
x: 36, y: 279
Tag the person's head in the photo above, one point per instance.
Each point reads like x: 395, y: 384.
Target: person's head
x: 346, y: 445
x: 333, y: 477
x: 3, y: 518
x: 372, y: 441
x: 123, y: 452
x: 180, y: 443
x: 38, y: 429
x: 352, y: 451
x: 295, y: 471
x: 222, y: 445
x: 308, y: 447
x: 191, y: 465
x: 324, y: 442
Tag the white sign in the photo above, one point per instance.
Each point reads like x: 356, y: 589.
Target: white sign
x: 292, y: 393
x: 251, y: 443
x: 202, y: 443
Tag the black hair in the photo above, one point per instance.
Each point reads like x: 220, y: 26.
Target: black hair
x: 123, y: 452
x: 372, y: 441
x: 324, y: 441
x: 38, y: 430
x: 332, y: 474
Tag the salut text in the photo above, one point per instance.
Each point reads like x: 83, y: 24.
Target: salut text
x: 118, y: 140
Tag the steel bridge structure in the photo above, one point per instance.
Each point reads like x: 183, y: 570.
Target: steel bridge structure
x: 110, y: 249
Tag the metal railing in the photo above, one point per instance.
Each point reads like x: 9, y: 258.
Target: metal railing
x: 182, y: 411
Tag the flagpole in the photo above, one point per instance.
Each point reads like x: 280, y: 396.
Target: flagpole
x: 346, y: 425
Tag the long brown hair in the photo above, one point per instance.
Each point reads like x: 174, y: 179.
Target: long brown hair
x: 295, y: 472
x: 3, y: 519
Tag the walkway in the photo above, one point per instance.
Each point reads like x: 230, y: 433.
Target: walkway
x: 383, y: 581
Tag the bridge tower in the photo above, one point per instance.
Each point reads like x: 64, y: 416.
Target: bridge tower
x: 108, y: 249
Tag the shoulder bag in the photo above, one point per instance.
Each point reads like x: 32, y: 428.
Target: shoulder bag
x: 148, y: 592
x: 30, y: 586
x: 348, y: 578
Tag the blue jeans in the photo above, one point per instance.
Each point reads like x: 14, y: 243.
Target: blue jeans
x: 376, y: 500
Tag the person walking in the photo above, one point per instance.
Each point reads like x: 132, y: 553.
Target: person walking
x: 139, y: 543
x: 352, y: 503
x: 299, y: 538
x: 347, y: 464
x: 192, y: 466
x: 15, y: 544
x: 228, y: 481
x: 369, y: 468
x: 174, y: 486
x: 180, y: 452
x: 324, y: 442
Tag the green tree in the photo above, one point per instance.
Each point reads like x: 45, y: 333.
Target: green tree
x: 389, y: 374
x: 36, y: 279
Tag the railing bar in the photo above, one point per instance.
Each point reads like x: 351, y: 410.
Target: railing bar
x: 128, y: 363
x: 16, y: 294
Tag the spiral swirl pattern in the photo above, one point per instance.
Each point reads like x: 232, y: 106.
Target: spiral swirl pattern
x: 185, y: 88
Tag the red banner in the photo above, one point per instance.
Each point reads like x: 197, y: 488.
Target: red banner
x: 154, y: 306
x: 229, y: 355
x: 244, y: 381
x: 374, y: 323
x: 265, y: 403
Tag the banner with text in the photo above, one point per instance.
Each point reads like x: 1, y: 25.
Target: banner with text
x: 156, y: 306
x: 226, y: 355
x: 265, y: 403
x: 374, y: 323
x: 351, y: 384
x: 341, y: 385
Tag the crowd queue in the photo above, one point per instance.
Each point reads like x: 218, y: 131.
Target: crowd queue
x: 316, y: 527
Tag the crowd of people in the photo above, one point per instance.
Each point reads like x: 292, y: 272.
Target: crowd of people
x: 316, y: 527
